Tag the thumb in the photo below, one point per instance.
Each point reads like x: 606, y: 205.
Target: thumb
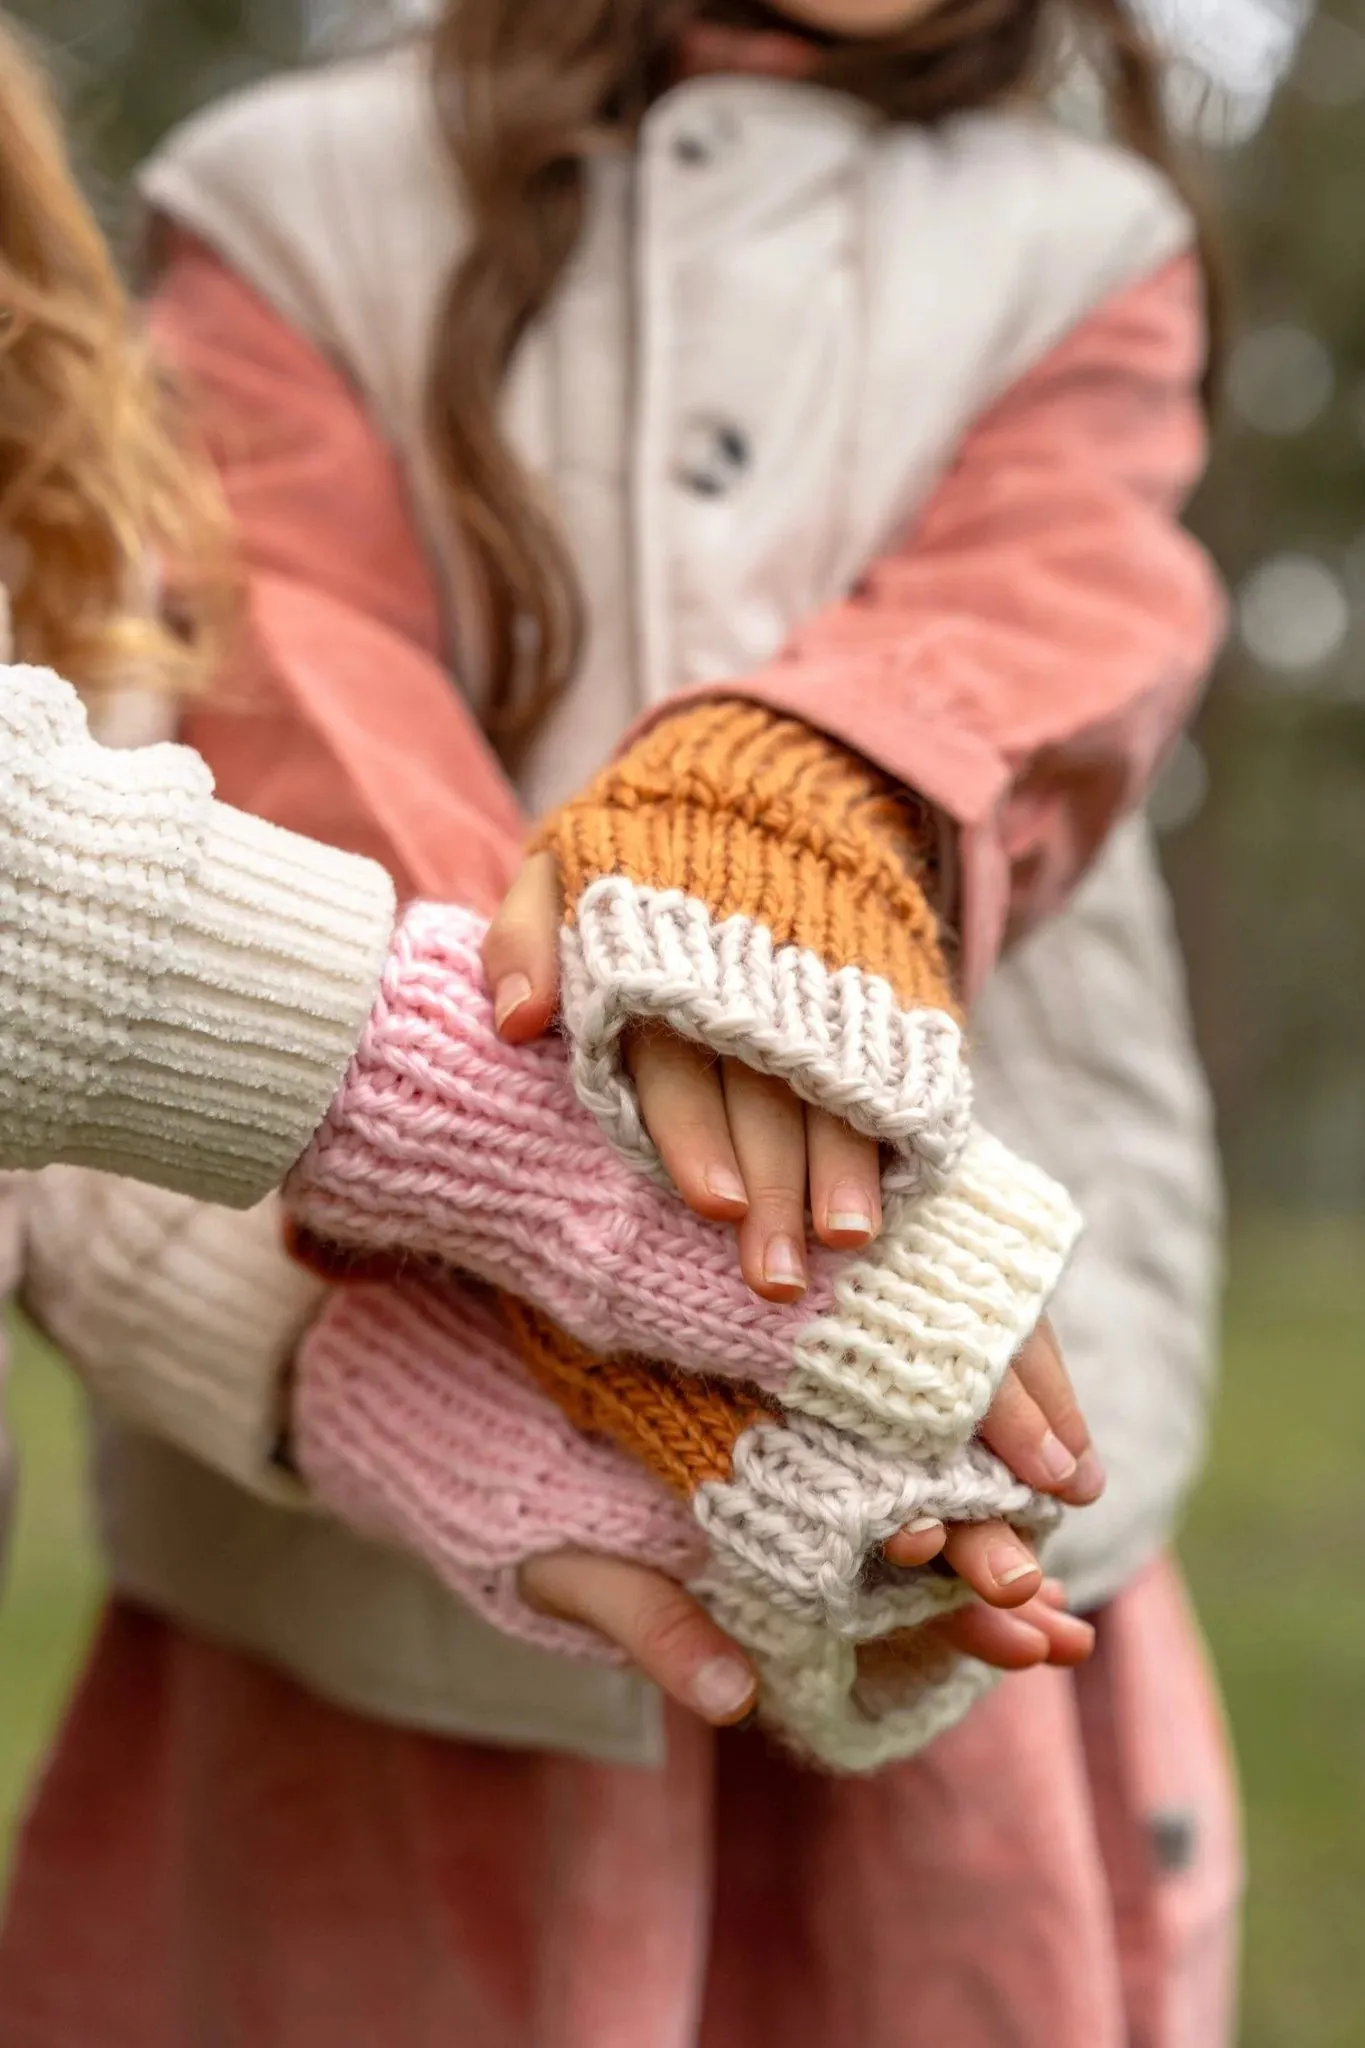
x: 665, y: 1633
x: 521, y: 952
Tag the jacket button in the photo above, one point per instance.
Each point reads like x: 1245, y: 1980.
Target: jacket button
x: 713, y: 456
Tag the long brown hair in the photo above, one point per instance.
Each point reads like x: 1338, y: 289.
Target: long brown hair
x: 93, y: 488
x: 526, y: 90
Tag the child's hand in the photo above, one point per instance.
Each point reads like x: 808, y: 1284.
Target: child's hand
x: 671, y: 1639
x: 741, y: 1148
x: 1036, y: 1428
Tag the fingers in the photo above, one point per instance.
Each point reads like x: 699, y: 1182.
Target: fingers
x: 768, y: 1130
x: 679, y: 1090
x: 996, y: 1563
x: 521, y: 952
x: 1042, y: 1373
x: 845, y: 1182
x: 1040, y: 1632
x: 661, y: 1628
x: 919, y: 1544
x: 1035, y: 1426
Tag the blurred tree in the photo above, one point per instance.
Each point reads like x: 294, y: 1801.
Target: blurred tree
x: 1270, y: 876
x: 128, y: 69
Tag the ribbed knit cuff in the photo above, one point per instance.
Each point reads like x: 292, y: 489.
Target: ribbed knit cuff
x: 765, y: 893
x: 182, y: 985
x: 813, y: 1697
x: 182, y: 1319
x: 924, y: 1324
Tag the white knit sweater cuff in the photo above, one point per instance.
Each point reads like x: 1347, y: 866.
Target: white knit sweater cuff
x: 182, y: 1319
x: 838, y: 1038
x: 181, y: 986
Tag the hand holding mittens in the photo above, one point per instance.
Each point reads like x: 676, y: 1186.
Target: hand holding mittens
x: 470, y: 1431
x: 764, y: 893
x: 447, y: 1144
x: 754, y: 887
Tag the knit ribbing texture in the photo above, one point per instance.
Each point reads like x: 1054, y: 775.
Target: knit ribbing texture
x: 445, y: 1143
x: 414, y: 1423
x: 181, y: 986
x: 763, y: 892
x: 793, y: 1510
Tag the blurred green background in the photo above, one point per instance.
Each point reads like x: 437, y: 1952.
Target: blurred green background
x: 1263, y: 812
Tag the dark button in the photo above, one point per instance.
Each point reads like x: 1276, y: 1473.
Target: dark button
x: 691, y: 149
x: 733, y: 445
x: 712, y: 455
x: 1175, y: 1838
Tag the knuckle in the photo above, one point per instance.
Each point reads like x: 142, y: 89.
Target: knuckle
x: 671, y: 1631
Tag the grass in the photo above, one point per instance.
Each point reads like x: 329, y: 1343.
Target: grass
x: 1275, y: 1548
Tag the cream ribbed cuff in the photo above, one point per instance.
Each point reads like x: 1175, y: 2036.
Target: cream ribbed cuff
x: 923, y: 1326
x: 181, y: 1318
x: 838, y: 1038
x: 802, y: 1518
x: 181, y: 986
x: 809, y: 1691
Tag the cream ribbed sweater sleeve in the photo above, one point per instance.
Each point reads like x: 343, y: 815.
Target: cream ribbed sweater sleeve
x: 181, y: 985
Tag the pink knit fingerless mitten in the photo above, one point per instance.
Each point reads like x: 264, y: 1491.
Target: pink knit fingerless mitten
x: 445, y: 1143
x: 414, y: 1423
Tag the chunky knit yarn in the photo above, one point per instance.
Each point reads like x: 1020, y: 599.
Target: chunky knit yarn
x: 414, y: 1423
x: 446, y: 1144
x: 793, y: 1510
x: 763, y: 892
x: 181, y: 986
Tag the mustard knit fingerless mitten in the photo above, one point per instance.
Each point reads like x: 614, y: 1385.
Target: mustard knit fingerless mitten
x: 765, y: 893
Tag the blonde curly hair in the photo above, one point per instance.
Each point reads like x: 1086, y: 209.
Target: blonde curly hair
x: 111, y: 538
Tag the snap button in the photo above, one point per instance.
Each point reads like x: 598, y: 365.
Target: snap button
x: 713, y: 455
x: 709, y: 131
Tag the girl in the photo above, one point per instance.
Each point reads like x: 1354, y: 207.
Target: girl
x: 926, y: 507
x: 182, y: 986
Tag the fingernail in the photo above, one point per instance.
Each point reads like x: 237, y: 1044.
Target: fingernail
x: 848, y: 1212
x: 722, y: 1688
x: 1009, y: 1565
x: 783, y: 1265
x: 1057, y: 1460
x: 511, y: 992
x: 1089, y: 1478
x: 725, y: 1184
